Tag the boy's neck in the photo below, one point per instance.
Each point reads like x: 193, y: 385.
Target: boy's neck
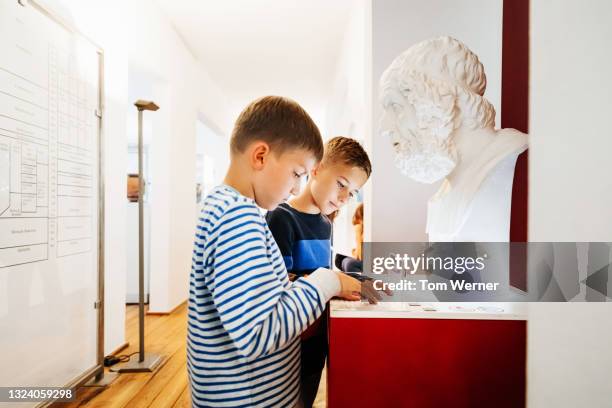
x: 236, y: 180
x: 304, y: 202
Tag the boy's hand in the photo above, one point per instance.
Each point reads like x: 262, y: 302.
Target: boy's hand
x: 372, y: 295
x: 350, y: 288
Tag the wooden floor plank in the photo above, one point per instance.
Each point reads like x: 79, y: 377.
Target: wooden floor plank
x: 184, y: 400
x: 161, y: 384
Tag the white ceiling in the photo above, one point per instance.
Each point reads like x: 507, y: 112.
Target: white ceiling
x: 253, y: 48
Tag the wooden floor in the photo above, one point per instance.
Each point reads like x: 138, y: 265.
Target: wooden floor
x: 167, y: 387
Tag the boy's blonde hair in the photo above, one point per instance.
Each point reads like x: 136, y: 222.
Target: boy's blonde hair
x: 347, y: 151
x: 280, y: 122
x: 358, y: 215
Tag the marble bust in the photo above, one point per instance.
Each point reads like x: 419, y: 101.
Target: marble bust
x: 443, y: 128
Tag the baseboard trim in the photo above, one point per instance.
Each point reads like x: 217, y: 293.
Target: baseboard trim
x: 167, y: 313
x: 119, y: 349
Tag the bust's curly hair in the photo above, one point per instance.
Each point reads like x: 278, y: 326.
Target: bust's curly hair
x: 442, y: 75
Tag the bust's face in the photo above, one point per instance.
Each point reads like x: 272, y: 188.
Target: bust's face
x: 419, y: 133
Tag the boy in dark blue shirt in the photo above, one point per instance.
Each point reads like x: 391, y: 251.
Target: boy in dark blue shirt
x: 303, y: 239
x: 302, y: 231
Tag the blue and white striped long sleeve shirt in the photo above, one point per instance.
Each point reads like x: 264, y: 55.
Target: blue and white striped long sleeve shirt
x: 245, y: 316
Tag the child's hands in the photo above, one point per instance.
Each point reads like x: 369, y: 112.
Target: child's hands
x: 372, y: 295
x: 350, y: 288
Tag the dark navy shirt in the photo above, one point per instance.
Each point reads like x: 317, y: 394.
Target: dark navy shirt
x: 303, y: 239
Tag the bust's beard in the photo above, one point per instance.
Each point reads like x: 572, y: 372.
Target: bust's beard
x: 421, y: 156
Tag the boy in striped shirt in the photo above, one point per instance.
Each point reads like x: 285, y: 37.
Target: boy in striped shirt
x: 245, y: 316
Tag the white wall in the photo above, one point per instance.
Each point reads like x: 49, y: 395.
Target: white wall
x: 210, y: 143
x: 183, y: 90
x: 398, y: 204
x: 572, y: 139
x: 346, y: 107
x: 346, y: 110
x: 570, y: 357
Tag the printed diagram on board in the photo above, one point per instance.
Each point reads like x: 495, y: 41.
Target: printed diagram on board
x: 48, y: 131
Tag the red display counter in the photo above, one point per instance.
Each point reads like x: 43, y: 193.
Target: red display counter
x: 434, y: 355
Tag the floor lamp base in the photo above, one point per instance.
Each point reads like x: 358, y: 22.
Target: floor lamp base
x: 151, y: 363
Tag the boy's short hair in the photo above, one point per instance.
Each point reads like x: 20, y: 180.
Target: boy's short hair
x: 281, y: 122
x: 358, y: 215
x: 347, y: 151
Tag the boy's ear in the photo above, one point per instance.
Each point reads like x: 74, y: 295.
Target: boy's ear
x: 259, y: 154
x: 315, y: 170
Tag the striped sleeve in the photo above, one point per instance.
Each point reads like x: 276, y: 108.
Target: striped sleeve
x: 258, y: 311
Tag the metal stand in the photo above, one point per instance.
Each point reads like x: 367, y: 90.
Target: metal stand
x: 153, y: 361
x: 105, y: 380
x: 101, y: 379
